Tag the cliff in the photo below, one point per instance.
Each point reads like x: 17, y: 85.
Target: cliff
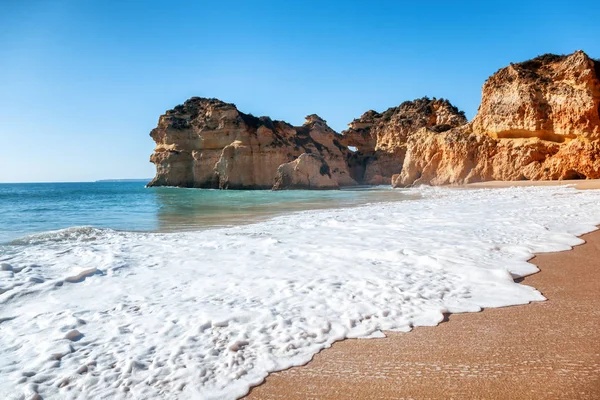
x: 538, y: 120
x: 207, y: 143
x: 309, y: 171
x: 381, y: 138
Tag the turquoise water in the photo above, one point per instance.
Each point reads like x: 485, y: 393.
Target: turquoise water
x: 39, y: 207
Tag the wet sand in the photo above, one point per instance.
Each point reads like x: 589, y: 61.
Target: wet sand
x: 579, y: 184
x: 544, y: 350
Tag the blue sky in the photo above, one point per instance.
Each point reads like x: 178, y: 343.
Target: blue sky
x: 84, y: 82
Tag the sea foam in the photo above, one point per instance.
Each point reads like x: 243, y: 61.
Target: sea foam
x: 95, y: 313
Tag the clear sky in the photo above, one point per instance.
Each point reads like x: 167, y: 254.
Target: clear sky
x: 82, y: 83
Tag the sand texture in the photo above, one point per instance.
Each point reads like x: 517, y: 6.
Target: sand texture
x: 544, y: 350
x: 578, y: 183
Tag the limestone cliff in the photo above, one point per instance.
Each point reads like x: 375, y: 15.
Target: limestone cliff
x: 207, y: 143
x: 381, y: 139
x: 309, y: 171
x: 538, y: 120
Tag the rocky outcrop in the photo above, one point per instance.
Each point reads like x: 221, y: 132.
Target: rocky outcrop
x: 553, y: 98
x: 309, y: 171
x: 380, y: 139
x: 207, y: 143
x: 538, y: 120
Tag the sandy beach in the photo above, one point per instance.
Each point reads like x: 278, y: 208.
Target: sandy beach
x: 581, y: 184
x: 170, y: 325
x: 544, y: 350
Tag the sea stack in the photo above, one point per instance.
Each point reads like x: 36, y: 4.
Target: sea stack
x: 538, y: 120
x: 207, y: 143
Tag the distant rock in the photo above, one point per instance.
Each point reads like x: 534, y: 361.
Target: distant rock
x: 538, y: 120
x: 207, y: 143
x: 309, y: 171
x: 122, y: 180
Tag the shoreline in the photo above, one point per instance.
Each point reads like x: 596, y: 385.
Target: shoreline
x: 540, y: 350
x: 441, y: 240
x: 581, y: 184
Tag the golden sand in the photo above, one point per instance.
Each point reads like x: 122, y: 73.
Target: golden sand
x: 579, y: 184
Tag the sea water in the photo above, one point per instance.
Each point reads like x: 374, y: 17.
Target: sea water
x: 27, y: 208
x: 126, y: 303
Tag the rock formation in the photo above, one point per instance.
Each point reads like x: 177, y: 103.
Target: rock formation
x: 381, y: 139
x: 538, y: 120
x: 207, y: 143
x: 309, y: 171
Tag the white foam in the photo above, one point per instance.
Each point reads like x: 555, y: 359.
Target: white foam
x: 208, y: 314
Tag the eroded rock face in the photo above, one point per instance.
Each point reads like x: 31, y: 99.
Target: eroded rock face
x: 381, y: 139
x: 207, y: 143
x: 550, y: 97
x: 538, y: 120
x: 309, y: 171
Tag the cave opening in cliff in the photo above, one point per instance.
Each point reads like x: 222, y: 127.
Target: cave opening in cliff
x: 573, y: 175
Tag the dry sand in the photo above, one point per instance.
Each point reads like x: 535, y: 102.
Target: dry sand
x: 545, y: 350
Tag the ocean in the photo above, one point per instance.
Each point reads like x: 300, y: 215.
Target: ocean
x: 112, y: 290
x: 28, y: 208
